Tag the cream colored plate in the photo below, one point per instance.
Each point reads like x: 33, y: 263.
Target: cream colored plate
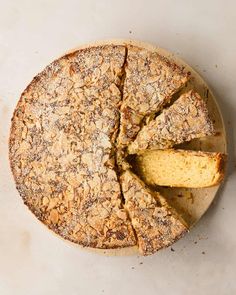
x: 192, y: 203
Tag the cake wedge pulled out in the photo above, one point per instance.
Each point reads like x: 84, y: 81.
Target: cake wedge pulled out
x: 181, y: 168
x: 186, y: 119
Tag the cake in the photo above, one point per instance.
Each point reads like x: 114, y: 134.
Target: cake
x: 186, y: 119
x: 181, y: 168
x: 72, y: 130
x: 155, y: 223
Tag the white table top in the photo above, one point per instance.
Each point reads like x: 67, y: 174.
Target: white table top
x: 32, y: 259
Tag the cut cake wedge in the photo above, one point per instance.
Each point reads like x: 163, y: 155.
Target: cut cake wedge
x: 156, y: 224
x: 187, y: 118
x: 181, y: 168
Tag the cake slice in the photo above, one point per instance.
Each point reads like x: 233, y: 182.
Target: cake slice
x: 181, y: 168
x: 187, y: 118
x: 150, y: 81
x: 156, y: 224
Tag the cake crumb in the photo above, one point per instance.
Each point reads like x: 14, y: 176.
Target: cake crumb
x: 202, y: 238
x: 203, y: 252
x: 172, y: 249
x: 191, y: 197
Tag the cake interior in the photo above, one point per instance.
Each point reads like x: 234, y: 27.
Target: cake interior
x: 179, y: 168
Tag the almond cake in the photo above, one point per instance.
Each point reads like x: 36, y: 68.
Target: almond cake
x: 69, y: 132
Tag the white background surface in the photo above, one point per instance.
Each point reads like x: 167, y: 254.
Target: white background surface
x: 32, y: 259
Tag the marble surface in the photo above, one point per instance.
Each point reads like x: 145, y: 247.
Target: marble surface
x: 32, y: 259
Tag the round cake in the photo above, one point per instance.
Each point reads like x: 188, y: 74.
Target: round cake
x: 74, y: 129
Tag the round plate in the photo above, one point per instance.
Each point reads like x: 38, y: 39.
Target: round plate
x: 191, y: 203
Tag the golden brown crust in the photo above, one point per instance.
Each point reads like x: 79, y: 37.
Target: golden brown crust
x: 61, y: 142
x: 155, y: 225
x: 221, y: 166
x: 186, y: 119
